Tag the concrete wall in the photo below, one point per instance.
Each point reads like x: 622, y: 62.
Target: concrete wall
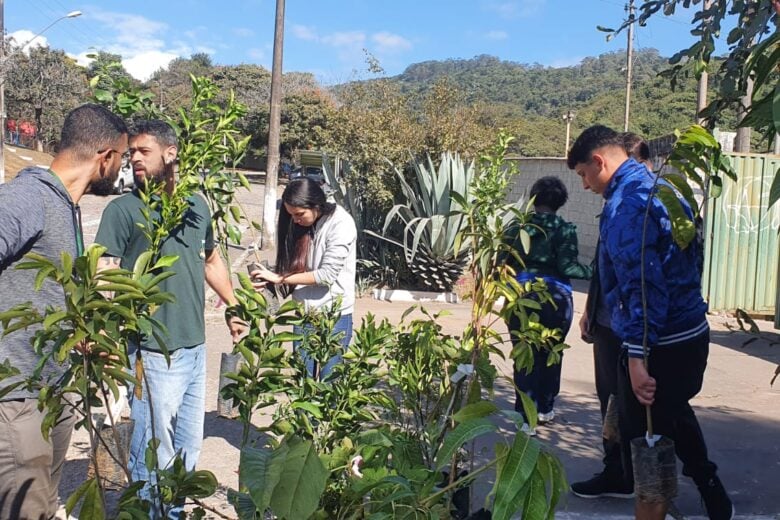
x: 582, y: 208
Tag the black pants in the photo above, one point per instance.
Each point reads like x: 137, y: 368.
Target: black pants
x: 606, y: 353
x: 543, y: 383
x: 679, y: 371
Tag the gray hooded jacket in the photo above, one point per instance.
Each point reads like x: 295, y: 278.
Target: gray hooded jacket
x: 37, y: 215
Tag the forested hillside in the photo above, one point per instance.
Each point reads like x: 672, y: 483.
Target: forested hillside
x: 532, y: 98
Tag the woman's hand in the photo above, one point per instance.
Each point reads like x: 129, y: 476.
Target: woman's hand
x: 260, y: 275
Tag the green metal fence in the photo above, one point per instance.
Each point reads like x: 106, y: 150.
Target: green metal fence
x: 741, y: 241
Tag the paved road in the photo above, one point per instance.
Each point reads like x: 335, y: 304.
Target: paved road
x: 738, y: 410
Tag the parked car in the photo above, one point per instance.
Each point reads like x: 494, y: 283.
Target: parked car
x: 125, y: 178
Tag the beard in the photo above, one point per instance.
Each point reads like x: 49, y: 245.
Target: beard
x: 104, y: 186
x: 149, y: 180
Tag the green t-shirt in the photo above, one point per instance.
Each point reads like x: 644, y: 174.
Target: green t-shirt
x: 191, y: 241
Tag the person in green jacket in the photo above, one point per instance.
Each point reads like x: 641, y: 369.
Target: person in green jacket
x: 553, y: 258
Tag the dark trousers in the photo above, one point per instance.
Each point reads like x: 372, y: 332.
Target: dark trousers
x: 543, y: 382
x: 679, y: 371
x: 606, y: 353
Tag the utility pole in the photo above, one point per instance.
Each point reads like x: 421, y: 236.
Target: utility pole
x: 568, y: 117
x: 2, y: 91
x: 701, y: 94
x: 629, y: 62
x: 274, y: 124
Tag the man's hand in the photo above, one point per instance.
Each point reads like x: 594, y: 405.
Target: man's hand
x: 236, y: 325
x: 584, y: 326
x: 641, y: 382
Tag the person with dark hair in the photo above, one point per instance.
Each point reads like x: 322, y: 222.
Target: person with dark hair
x: 637, y: 148
x: 39, y: 213
x: 553, y: 258
x: 660, y: 309
x: 315, y: 257
x: 595, y: 327
x: 169, y: 402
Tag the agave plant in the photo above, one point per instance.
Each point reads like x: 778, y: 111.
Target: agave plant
x: 431, y: 220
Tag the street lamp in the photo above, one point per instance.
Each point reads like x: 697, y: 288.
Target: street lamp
x: 3, y: 59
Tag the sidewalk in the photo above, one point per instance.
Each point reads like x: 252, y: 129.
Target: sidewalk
x: 738, y: 411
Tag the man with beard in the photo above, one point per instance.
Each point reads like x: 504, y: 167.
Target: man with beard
x: 169, y: 404
x: 39, y: 213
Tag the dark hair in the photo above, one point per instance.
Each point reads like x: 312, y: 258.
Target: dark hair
x: 549, y: 191
x: 162, y: 132
x: 636, y: 147
x: 591, y: 139
x: 293, y: 241
x: 89, y: 129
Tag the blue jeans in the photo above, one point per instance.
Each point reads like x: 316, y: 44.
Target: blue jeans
x: 343, y: 325
x: 174, y: 401
x: 543, y: 383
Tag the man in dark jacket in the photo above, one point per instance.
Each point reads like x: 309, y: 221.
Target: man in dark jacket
x: 671, y: 323
x: 39, y: 213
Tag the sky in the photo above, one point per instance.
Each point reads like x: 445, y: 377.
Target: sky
x: 328, y: 37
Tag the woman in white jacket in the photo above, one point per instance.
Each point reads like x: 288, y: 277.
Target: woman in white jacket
x: 315, y: 256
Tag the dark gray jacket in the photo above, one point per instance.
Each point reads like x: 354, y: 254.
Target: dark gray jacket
x: 37, y: 215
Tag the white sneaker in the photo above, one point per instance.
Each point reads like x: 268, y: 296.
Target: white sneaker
x: 526, y: 429
x: 546, y: 417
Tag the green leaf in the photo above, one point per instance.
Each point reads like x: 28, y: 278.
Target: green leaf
x: 92, y: 506
x: 260, y: 470
x: 513, y: 473
x: 309, y: 407
x: 166, y: 261
x: 103, y: 96
x: 475, y: 411
x: 462, y: 433
x: 683, y: 228
x: 243, y: 504
x: 297, y: 495
x: 774, y: 191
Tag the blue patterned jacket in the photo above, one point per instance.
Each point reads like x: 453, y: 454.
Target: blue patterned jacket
x: 675, y: 309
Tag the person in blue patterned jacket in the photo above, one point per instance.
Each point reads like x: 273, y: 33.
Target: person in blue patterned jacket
x: 673, y: 323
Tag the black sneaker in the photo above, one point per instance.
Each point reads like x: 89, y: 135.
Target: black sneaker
x: 603, y: 485
x: 716, y: 500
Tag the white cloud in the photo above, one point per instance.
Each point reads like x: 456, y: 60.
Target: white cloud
x: 143, y: 43
x: 389, y: 42
x: 256, y: 54
x: 345, y: 39
x: 25, y: 37
x: 566, y: 62
x: 496, y: 35
x: 515, y: 8
x: 243, y: 32
x: 143, y: 65
x: 305, y: 33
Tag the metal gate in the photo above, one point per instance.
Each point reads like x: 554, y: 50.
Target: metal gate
x: 741, y: 241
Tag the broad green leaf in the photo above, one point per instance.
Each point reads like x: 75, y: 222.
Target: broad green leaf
x: 683, y: 228
x: 475, y: 411
x: 260, y: 470
x: 297, y: 495
x: 513, y: 473
x: 308, y: 407
x: 462, y: 433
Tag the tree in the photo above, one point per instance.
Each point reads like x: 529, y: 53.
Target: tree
x: 305, y: 121
x: 43, y: 85
x: 109, y: 67
x: 752, y: 57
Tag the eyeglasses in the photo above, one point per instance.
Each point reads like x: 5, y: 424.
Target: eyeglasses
x: 125, y: 156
